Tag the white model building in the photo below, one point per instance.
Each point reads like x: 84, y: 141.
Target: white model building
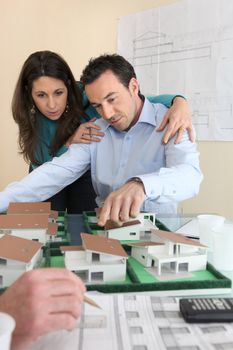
x: 172, y: 250
x: 144, y: 251
x: 17, y: 255
x: 130, y: 230
x: 98, y: 259
x: 134, y: 229
x: 33, y: 208
x: 143, y: 217
x: 34, y: 226
x: 139, y: 229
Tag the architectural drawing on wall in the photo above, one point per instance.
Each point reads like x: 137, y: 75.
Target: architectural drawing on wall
x: 213, y: 115
x: 155, y: 47
x: 191, y: 55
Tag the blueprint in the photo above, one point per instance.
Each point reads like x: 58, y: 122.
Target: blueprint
x: 138, y: 322
x: 186, y: 48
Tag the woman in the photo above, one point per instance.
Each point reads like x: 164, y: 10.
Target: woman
x: 48, y: 107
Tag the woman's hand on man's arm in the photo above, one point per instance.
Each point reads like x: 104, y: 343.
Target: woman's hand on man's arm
x: 86, y: 133
x: 177, y: 119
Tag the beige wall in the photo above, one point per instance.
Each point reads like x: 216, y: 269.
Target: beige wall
x: 79, y: 29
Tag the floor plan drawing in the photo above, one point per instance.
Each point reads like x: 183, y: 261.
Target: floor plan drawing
x: 192, y: 55
x: 138, y: 322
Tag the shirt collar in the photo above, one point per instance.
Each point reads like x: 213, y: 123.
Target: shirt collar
x: 148, y: 115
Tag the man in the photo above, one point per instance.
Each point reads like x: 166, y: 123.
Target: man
x: 131, y: 167
x: 42, y: 301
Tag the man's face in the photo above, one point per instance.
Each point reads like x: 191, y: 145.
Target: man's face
x: 118, y: 105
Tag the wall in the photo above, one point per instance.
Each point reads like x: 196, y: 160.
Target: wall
x: 78, y: 30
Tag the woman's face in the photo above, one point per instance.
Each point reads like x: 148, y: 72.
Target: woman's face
x: 50, y: 96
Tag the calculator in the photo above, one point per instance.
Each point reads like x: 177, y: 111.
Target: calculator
x: 196, y: 310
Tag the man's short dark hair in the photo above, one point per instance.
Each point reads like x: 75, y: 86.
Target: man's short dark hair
x: 115, y: 63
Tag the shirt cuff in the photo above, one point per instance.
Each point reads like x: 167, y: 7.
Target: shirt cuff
x: 153, y: 185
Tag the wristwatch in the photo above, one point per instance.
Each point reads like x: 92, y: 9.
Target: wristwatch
x: 138, y: 180
x: 135, y: 179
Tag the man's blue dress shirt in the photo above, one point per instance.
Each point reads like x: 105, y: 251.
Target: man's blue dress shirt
x: 170, y: 173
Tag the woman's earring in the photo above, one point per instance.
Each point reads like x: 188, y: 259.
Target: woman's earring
x: 33, y: 114
x: 33, y: 110
x: 67, y: 108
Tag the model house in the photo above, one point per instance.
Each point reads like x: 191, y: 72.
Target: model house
x: 129, y: 230
x: 143, y: 251
x: 52, y: 230
x: 34, y: 226
x: 17, y: 255
x: 171, y: 250
x: 143, y: 217
x: 99, y: 259
x: 134, y: 229
x: 33, y: 208
x: 146, y: 217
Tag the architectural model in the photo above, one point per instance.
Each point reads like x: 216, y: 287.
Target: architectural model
x: 134, y: 229
x: 130, y: 230
x: 33, y: 208
x: 171, y: 251
x: 17, y: 255
x: 99, y: 259
x: 34, y: 226
x: 142, y: 216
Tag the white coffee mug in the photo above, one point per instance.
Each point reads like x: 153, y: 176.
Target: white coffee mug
x: 206, y: 224
x: 7, y: 326
x: 222, y: 248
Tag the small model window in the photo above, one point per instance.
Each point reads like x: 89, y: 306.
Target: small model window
x: 132, y: 234
x: 136, y: 330
x: 131, y: 314
x: 95, y: 257
x: 173, y: 265
x: 143, y: 257
x: 5, y: 232
x: 3, y: 261
x: 35, y: 239
x: 177, y: 249
x: 183, y: 267
x: 82, y: 274
x: 97, y: 276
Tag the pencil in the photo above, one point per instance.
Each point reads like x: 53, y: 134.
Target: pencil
x: 91, y: 302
